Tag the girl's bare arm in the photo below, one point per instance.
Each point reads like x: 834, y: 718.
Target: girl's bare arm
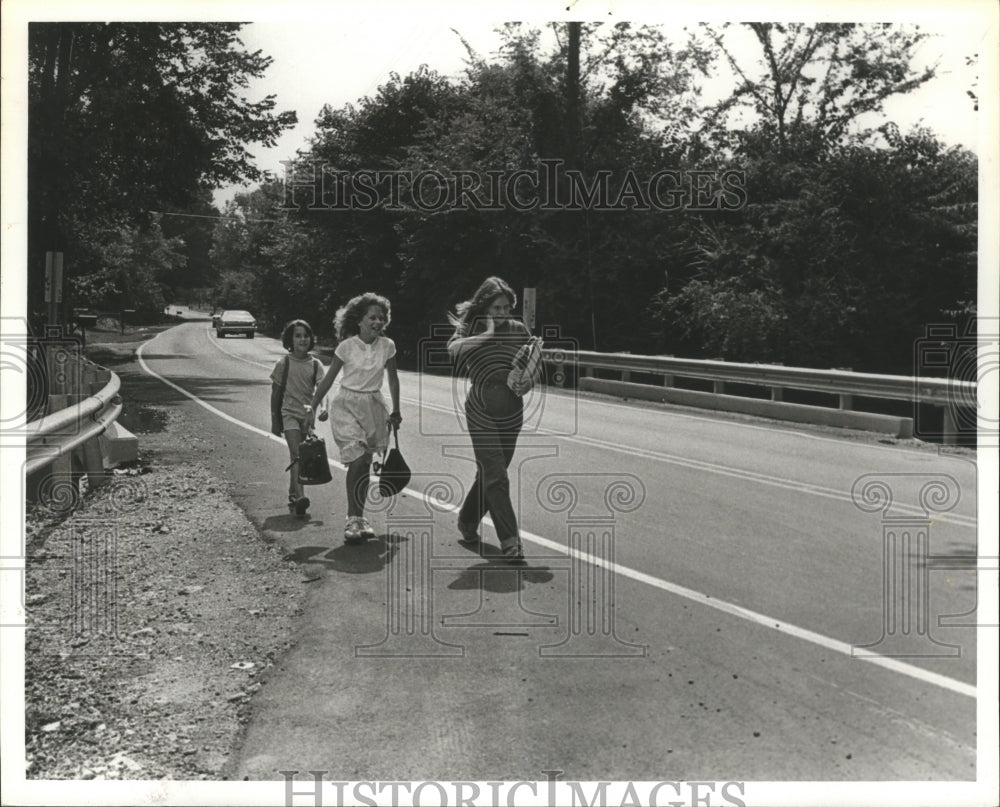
x: 458, y: 345
x: 326, y: 382
x: 276, y: 397
x: 390, y: 369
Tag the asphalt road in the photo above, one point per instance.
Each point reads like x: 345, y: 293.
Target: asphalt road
x: 703, y: 597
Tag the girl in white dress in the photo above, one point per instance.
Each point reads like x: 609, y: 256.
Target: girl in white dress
x: 359, y: 417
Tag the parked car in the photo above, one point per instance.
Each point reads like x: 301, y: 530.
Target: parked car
x: 236, y: 322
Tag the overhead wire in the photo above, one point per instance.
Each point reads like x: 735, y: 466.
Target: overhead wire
x: 217, y: 218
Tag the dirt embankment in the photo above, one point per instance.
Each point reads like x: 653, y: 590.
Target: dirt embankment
x: 154, y: 609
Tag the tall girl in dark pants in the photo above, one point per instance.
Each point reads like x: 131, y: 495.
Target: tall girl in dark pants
x: 483, y: 347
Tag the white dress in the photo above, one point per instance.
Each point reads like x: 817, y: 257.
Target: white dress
x: 359, y: 414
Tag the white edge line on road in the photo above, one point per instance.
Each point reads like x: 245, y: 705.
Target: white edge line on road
x: 771, y: 623
x: 232, y: 355
x: 763, y: 620
x: 969, y: 522
x: 208, y: 406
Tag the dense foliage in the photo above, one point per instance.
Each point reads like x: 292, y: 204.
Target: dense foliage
x: 786, y: 221
x: 127, y: 121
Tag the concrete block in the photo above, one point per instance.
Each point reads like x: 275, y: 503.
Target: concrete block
x: 118, y: 445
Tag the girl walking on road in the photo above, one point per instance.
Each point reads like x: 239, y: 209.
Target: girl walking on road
x: 293, y: 381
x: 483, y: 347
x: 359, y: 417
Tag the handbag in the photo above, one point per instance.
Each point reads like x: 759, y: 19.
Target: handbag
x: 394, y: 473
x: 314, y: 468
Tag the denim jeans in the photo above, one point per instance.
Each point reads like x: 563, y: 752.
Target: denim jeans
x: 495, y: 416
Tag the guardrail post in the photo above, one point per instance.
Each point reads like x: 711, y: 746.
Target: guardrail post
x: 846, y: 401
x: 58, y: 401
x: 76, y: 428
x: 91, y: 378
x: 668, y: 380
x: 56, y: 361
x: 57, y: 477
x: 626, y: 375
x: 949, y: 431
x: 719, y: 387
x: 93, y: 463
x: 777, y: 393
x: 93, y: 457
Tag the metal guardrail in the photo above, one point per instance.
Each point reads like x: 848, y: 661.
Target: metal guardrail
x: 57, y: 434
x: 938, y: 391
x: 949, y: 394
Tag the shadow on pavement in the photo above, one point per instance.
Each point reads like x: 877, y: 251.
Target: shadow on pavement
x: 365, y: 558
x: 500, y: 577
x: 495, y: 574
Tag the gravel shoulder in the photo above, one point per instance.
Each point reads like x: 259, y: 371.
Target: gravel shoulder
x: 155, y: 609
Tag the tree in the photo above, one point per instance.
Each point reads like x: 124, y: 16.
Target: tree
x: 844, y: 250
x: 239, y: 249
x: 608, y: 107
x: 344, y: 252
x: 815, y: 81
x: 838, y: 262
x: 847, y: 242
x: 194, y: 226
x: 135, y: 267
x: 129, y: 118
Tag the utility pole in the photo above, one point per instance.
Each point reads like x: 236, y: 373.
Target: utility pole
x: 574, y: 152
x: 573, y: 96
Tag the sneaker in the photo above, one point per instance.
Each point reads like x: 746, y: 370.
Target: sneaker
x: 301, y: 505
x: 352, y: 530
x: 511, y: 549
x: 367, y: 531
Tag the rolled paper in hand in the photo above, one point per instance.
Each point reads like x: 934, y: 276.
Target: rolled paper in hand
x: 527, y: 364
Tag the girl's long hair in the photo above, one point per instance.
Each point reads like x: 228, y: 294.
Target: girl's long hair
x: 468, y: 310
x: 347, y: 321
